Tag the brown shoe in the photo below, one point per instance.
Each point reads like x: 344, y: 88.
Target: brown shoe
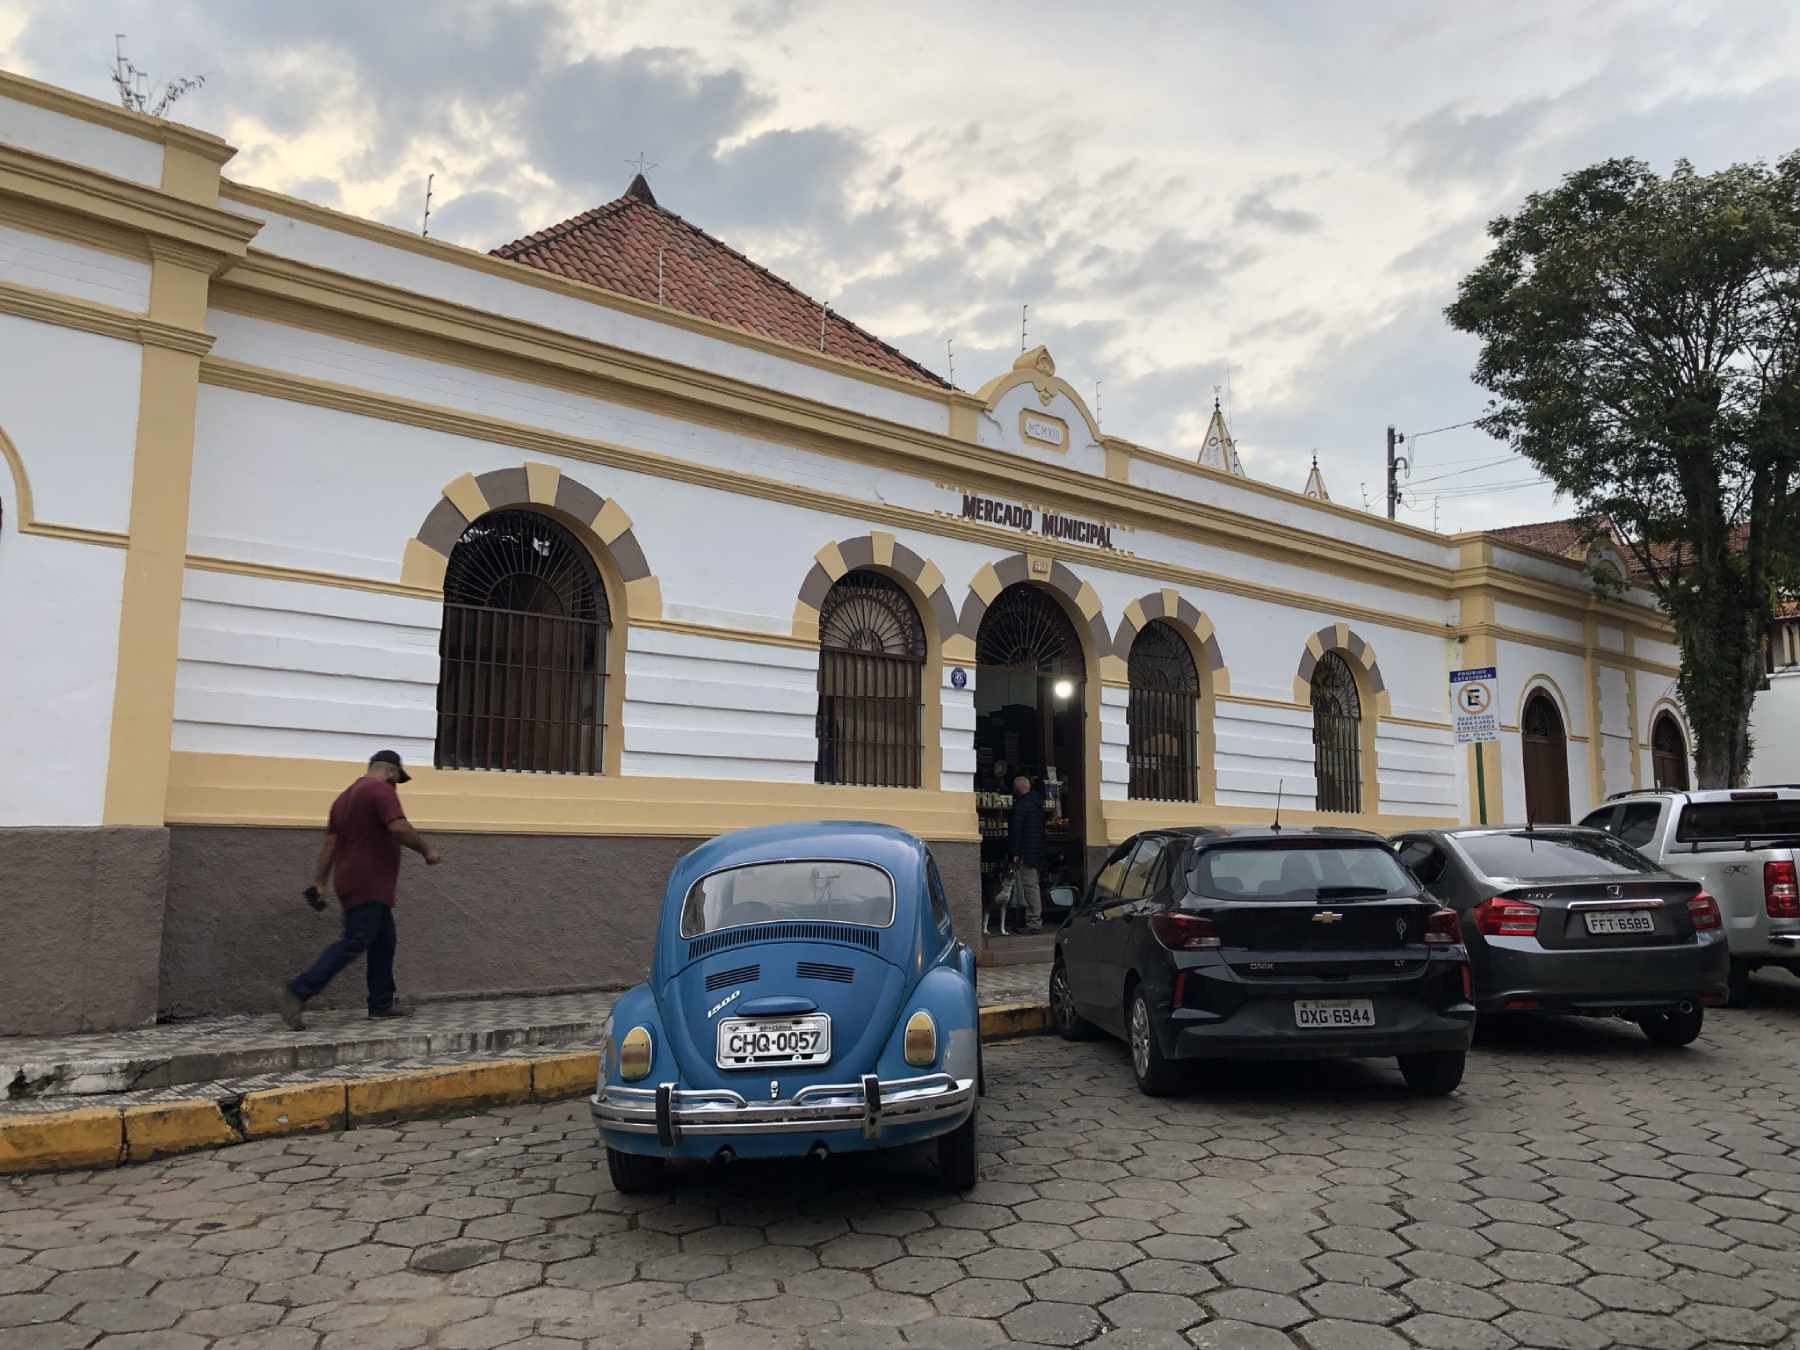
x: 291, y: 1006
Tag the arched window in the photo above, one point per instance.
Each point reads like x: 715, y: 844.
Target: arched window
x: 1162, y: 716
x: 1546, y: 747
x: 1337, y: 735
x: 871, y: 676
x: 522, y: 659
x: 1668, y: 753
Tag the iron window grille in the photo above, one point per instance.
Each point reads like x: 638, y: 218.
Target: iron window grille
x: 1025, y: 629
x: 871, y: 679
x: 1668, y: 754
x: 1337, y: 735
x: 1162, y: 717
x: 522, y: 658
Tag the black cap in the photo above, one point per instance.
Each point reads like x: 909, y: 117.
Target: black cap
x: 391, y: 757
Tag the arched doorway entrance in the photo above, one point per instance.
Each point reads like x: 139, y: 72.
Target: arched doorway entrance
x: 1546, y: 761
x: 1668, y: 753
x: 1030, y: 691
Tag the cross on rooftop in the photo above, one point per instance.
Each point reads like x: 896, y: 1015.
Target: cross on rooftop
x: 641, y: 164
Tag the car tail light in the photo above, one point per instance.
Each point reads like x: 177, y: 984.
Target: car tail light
x: 920, y: 1041
x: 1500, y: 917
x: 1468, y: 984
x: 636, y: 1053
x: 1781, y: 890
x: 1184, y: 932
x: 1442, y: 928
x: 1705, y: 910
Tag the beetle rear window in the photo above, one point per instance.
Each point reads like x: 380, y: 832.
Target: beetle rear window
x: 1300, y: 872
x: 783, y: 892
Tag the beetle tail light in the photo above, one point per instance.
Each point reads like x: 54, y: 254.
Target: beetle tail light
x: 1500, y: 917
x: 919, y: 1044
x: 1184, y: 932
x: 1705, y: 910
x: 1781, y: 890
x: 636, y: 1053
x: 1442, y: 928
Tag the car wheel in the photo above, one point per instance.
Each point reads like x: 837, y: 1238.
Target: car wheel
x: 1738, y: 991
x: 633, y: 1173
x: 1070, y: 1025
x: 1673, y: 1026
x: 1156, y: 1076
x: 957, y: 1163
x: 1434, y: 1075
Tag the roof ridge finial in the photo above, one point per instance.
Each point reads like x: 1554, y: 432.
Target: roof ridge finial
x: 640, y: 185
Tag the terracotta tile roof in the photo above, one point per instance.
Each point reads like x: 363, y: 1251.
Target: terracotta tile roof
x: 1561, y: 537
x: 615, y: 247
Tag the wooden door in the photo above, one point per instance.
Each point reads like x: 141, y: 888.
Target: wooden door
x: 1546, y: 762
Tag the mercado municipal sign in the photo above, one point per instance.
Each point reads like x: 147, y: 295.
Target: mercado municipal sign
x: 1049, y: 524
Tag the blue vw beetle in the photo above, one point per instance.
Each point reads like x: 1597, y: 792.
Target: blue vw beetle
x: 807, y: 996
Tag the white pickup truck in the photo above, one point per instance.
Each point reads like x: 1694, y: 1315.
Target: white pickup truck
x: 1741, y: 845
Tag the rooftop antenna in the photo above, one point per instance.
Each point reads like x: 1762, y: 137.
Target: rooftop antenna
x: 133, y: 85
x: 1280, y: 785
x: 1435, y: 501
x: 1365, y: 493
x: 950, y: 354
x: 1024, y: 324
x: 824, y: 313
x: 1097, y: 404
x: 425, y: 228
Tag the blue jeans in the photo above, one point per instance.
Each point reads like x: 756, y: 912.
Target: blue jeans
x: 368, y: 928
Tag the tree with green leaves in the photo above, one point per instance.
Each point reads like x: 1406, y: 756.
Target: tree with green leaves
x: 1641, y: 338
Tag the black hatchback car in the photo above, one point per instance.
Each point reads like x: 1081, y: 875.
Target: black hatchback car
x: 1264, y: 944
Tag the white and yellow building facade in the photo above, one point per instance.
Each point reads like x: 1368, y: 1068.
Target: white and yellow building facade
x: 242, y: 433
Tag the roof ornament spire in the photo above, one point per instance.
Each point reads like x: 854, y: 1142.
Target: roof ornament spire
x: 1315, y: 483
x: 1219, y: 450
x: 640, y: 186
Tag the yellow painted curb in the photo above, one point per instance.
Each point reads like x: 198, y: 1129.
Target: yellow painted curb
x: 93, y: 1136
x: 430, y: 1091
x: 162, y: 1128
x: 303, y: 1108
x: 1001, y: 1021
x: 561, y: 1076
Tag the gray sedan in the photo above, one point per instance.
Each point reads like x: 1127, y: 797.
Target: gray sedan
x: 1569, y: 920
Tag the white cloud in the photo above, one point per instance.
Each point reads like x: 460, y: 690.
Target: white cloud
x: 1292, y: 189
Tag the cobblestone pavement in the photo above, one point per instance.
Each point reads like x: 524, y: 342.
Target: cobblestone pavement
x: 1583, y: 1190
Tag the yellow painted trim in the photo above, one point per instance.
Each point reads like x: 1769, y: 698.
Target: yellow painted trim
x: 422, y: 569
x: 1532, y: 682
x: 931, y: 579
x: 49, y: 1141
x: 1115, y: 671
x: 986, y: 584
x: 611, y: 522
x: 137, y: 773
x: 1126, y: 818
x: 959, y: 650
x: 217, y: 237
x: 207, y: 789
x: 541, y: 482
x: 1036, y: 368
x: 832, y: 560
x: 465, y: 494
x: 88, y: 316
x: 55, y: 99
x: 1087, y: 600
x: 883, y: 544
x: 805, y: 629
x: 1296, y: 705
x: 23, y: 511
x: 643, y: 599
x: 1134, y: 614
x: 275, y: 384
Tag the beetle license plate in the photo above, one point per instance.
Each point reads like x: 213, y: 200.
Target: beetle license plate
x: 753, y: 1042
x: 1622, y: 921
x: 1318, y: 1014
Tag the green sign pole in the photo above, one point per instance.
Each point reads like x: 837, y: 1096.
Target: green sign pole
x: 1480, y: 784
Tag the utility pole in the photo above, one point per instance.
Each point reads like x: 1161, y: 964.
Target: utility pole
x: 1395, y: 463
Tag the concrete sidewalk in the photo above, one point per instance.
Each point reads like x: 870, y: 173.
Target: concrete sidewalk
x: 220, y: 1080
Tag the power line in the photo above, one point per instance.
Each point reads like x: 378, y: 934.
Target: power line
x: 1457, y: 473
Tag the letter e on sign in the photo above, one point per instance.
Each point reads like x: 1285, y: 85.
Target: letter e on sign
x: 1472, y: 704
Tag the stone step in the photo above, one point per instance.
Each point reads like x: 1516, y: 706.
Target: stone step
x: 246, y: 1045
x: 1017, y: 950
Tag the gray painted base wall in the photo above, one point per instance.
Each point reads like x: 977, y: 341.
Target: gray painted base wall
x: 83, y: 914
x: 501, y: 914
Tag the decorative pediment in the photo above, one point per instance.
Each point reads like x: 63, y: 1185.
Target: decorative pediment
x: 1038, y: 369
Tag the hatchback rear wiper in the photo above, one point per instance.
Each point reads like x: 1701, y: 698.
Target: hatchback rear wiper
x: 1350, y: 892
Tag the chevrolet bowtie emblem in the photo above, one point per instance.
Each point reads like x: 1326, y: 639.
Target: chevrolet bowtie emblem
x: 1328, y: 916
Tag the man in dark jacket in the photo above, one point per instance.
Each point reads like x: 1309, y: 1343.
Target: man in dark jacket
x: 1025, y: 841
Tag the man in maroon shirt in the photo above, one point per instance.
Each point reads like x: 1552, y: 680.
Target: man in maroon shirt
x: 361, y: 859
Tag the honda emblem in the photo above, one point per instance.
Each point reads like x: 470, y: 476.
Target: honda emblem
x: 1615, y: 890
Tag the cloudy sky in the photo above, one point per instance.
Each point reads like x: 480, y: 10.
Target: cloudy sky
x: 1278, y: 197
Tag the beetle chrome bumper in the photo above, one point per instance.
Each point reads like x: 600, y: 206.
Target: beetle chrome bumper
x: 669, y: 1112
